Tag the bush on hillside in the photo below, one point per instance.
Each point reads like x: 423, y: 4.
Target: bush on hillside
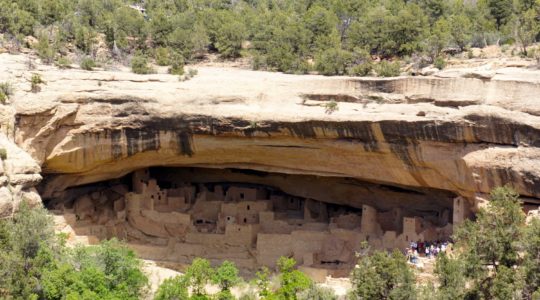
x: 291, y: 280
x: 35, y: 83
x: 139, y: 65
x: 387, y: 69
x: 162, y: 56
x: 333, y: 62
x: 177, y: 65
x: 44, y: 49
x: 106, y: 271
x: 316, y: 292
x: 173, y: 289
x: 88, y: 64
x: 36, y: 264
x: 286, y: 36
x: 496, y: 254
x: 63, y: 62
x: 439, y: 63
x: 362, y: 69
x: 6, y: 88
x: 198, y: 275
x: 383, y: 275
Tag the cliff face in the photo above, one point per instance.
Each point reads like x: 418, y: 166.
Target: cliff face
x: 460, y: 132
x: 19, y: 174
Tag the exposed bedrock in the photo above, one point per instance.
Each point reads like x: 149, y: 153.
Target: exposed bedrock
x: 432, y: 154
x: 462, y: 132
x: 250, y: 166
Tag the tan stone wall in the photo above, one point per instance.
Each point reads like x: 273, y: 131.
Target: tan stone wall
x: 271, y: 246
x: 206, y: 210
x: 391, y: 219
x: 461, y: 210
x: 241, y: 234
x: 208, y: 239
x: 349, y: 221
x: 280, y: 226
x: 307, y: 242
x: 241, y: 194
x: 369, y: 224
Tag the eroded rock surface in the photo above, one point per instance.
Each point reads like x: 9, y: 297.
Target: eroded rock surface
x: 19, y: 174
x: 454, y: 132
x: 405, y: 142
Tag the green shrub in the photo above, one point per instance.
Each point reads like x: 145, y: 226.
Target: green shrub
x: 226, y: 276
x: 439, y: 63
x: 497, y: 237
x: 88, y: 64
x: 35, y: 83
x: 106, y: 271
x: 44, y: 49
x: 190, y: 74
x: 248, y: 295
x: 27, y: 242
x: 388, y: 69
x: 316, y: 292
x: 173, y: 289
x: 162, y: 56
x: 85, y: 38
x: 200, y: 297
x: 262, y: 281
x: 63, y: 63
x: 6, y: 88
x: 229, y: 37
x: 224, y: 295
x: 450, y: 274
x: 258, y: 62
x: 3, y: 153
x: 383, y: 273
x: 331, y: 107
x: 532, y: 261
x: 139, y: 65
x: 199, y: 274
x: 291, y: 281
x: 177, y: 65
x: 333, y: 62
x: 363, y: 69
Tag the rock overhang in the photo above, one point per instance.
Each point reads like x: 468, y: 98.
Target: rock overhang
x: 408, y: 131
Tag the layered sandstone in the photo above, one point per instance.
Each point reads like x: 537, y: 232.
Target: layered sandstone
x: 397, y: 159
x: 19, y: 174
x: 463, y: 132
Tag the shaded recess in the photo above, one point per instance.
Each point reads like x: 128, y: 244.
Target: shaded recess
x: 253, y: 217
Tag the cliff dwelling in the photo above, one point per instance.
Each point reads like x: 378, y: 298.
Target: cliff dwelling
x: 248, y: 166
x: 253, y: 217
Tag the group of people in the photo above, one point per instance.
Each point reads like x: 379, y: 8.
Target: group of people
x: 426, y: 249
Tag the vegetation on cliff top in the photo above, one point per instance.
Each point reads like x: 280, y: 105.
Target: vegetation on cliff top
x: 331, y: 37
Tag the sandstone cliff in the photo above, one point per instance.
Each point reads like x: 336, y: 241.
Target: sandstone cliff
x: 463, y: 132
x: 19, y: 174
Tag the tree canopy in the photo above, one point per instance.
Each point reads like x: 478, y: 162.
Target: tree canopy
x: 36, y: 264
x: 288, y: 36
x: 497, y: 255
